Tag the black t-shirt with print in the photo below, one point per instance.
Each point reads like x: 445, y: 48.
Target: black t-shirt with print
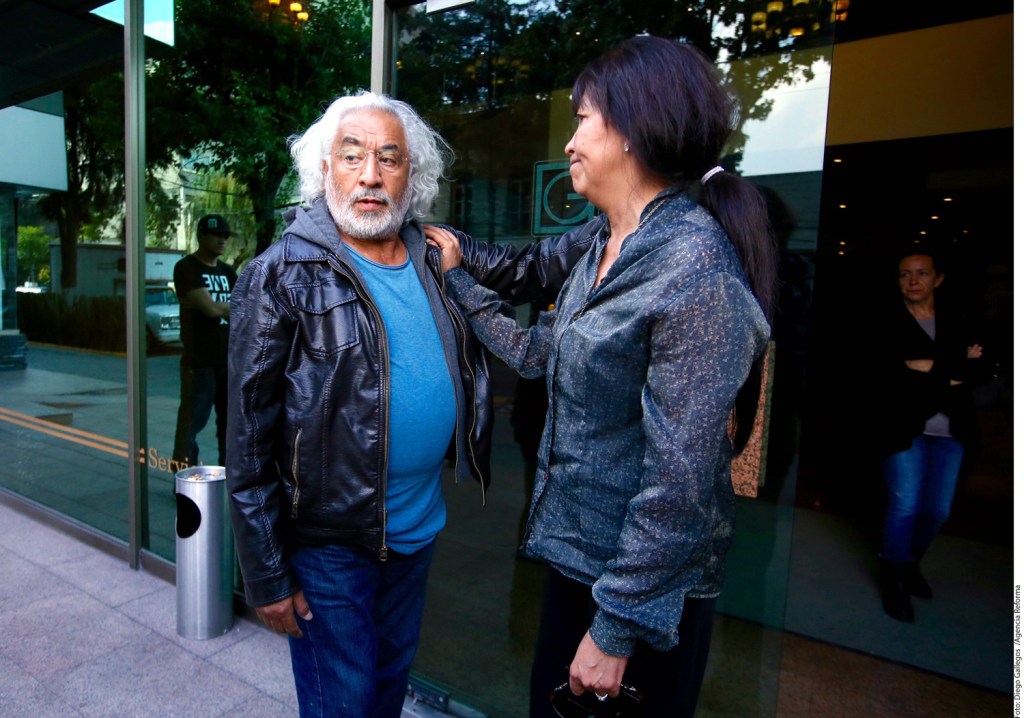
x: 204, y: 339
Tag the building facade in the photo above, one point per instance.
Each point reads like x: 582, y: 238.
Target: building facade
x: 866, y: 125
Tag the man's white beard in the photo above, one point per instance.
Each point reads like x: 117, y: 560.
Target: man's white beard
x: 368, y: 226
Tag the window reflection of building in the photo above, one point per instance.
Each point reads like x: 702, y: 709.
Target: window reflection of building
x: 505, y: 109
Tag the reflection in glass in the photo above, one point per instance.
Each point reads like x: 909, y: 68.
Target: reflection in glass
x: 494, y: 79
x: 62, y: 412
x: 220, y: 104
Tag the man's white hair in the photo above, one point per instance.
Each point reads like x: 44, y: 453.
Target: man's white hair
x: 429, y: 155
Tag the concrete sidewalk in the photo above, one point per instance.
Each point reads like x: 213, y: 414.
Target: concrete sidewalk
x: 82, y: 634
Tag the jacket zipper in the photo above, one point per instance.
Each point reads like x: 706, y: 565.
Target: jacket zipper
x: 461, y: 330
x: 295, y: 473
x: 382, y: 550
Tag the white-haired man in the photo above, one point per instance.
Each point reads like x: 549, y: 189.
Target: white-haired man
x: 350, y: 374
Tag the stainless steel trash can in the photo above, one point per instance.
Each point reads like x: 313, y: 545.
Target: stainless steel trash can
x: 205, y: 553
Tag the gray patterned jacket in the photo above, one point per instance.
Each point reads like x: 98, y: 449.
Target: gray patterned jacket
x: 633, y: 491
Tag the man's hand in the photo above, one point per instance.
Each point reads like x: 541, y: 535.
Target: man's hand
x: 451, y: 252
x: 280, y: 616
x: 594, y: 670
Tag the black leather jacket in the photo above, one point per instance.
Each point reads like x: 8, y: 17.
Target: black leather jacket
x: 307, y: 448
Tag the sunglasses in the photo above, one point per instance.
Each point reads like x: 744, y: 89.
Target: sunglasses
x: 567, y: 705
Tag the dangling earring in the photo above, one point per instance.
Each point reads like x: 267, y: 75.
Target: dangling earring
x: 625, y: 147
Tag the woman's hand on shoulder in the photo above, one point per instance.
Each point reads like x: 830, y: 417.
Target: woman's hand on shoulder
x: 448, y: 243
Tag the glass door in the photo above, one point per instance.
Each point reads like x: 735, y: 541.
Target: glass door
x: 63, y: 380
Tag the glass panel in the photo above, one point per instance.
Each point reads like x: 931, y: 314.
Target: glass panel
x: 921, y: 167
x: 245, y: 79
x: 494, y: 78
x: 63, y: 395
x: 954, y: 195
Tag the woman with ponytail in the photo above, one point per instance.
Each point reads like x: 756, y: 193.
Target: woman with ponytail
x: 649, y: 342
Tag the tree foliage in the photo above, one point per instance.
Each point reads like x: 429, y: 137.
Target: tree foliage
x: 495, y: 77
x: 92, y: 207
x: 243, y: 77
x: 500, y: 52
x: 33, y: 254
x: 94, y: 138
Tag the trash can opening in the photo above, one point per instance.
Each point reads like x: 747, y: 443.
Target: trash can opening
x: 189, y: 516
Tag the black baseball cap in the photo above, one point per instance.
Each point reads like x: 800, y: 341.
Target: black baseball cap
x: 214, y: 224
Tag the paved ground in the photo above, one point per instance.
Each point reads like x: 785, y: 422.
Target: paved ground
x: 82, y: 634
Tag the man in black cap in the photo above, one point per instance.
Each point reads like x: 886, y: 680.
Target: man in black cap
x: 203, y: 284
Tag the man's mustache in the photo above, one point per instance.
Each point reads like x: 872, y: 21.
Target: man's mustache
x: 377, y: 194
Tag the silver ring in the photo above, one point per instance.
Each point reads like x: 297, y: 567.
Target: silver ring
x: 601, y: 696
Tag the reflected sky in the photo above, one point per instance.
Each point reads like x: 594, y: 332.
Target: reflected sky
x: 158, y: 16
x: 792, y: 137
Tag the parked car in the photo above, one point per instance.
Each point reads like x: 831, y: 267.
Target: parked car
x: 163, y: 317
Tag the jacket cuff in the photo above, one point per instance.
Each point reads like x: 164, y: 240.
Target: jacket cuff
x: 270, y: 590
x: 611, y: 635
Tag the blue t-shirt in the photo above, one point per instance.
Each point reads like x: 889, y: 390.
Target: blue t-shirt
x: 422, y: 405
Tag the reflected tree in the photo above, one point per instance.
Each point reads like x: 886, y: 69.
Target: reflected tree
x: 498, y: 52
x: 92, y: 207
x: 33, y: 254
x: 94, y: 137
x: 246, y: 74
x: 542, y: 44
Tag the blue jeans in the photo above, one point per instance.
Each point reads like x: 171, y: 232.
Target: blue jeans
x: 921, y: 482
x: 354, y: 656
x: 203, y: 388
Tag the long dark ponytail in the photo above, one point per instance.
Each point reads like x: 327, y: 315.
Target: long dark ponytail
x: 740, y: 208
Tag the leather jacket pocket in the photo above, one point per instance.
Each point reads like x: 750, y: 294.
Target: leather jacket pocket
x: 327, y: 316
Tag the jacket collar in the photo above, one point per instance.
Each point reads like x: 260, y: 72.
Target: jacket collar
x: 666, y: 195
x: 312, y: 236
